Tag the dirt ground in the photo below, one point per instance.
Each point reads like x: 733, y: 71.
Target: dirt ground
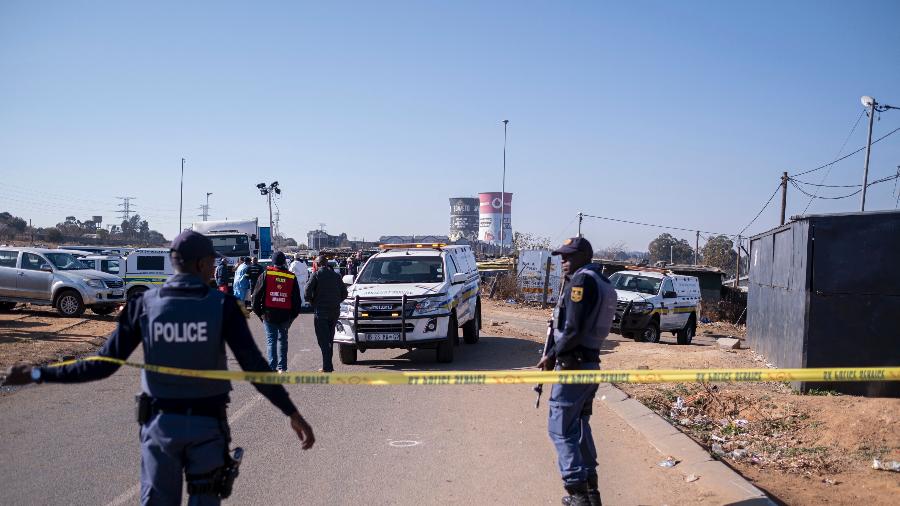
x: 800, y: 449
x: 37, y: 335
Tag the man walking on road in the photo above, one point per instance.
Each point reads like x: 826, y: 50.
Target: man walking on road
x: 276, y: 300
x: 325, y: 291
x: 184, y: 427
x: 253, y: 273
x: 581, y: 321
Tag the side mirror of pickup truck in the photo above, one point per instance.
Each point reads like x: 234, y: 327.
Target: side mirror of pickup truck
x: 46, y: 268
x: 459, y: 277
x: 348, y: 279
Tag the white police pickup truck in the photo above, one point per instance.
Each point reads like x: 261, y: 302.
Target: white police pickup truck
x: 142, y: 269
x: 650, y: 301
x: 411, y: 296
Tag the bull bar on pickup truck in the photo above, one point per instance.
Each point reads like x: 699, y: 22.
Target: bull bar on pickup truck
x: 403, y: 300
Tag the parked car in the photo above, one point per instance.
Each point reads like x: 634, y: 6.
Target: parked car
x: 411, y: 296
x: 56, y: 278
x: 651, y: 301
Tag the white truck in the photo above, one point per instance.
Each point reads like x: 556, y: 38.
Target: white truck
x: 653, y: 300
x: 235, y: 238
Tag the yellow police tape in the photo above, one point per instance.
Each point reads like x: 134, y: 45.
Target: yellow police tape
x: 515, y: 377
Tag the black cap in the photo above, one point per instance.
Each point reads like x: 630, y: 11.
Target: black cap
x: 575, y: 245
x: 191, y: 245
x: 279, y: 259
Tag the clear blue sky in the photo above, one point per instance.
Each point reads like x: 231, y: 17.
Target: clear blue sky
x: 372, y: 114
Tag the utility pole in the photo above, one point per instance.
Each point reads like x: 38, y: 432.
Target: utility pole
x: 580, y: 219
x: 872, y: 104
x: 696, y: 246
x: 181, y: 197
x: 784, y: 182
x: 503, y: 191
x: 737, y: 264
x: 671, y: 254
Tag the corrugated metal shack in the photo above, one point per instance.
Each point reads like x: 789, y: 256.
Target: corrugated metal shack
x: 825, y: 292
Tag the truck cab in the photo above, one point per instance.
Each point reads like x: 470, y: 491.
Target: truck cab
x: 411, y: 296
x: 651, y: 301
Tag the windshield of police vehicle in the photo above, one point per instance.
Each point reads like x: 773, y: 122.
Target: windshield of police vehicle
x: 65, y: 261
x: 231, y: 245
x: 634, y: 283
x: 402, y: 270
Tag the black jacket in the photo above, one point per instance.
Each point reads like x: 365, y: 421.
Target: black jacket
x: 275, y: 315
x: 325, y: 291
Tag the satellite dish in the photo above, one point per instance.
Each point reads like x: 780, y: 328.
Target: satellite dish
x: 867, y: 101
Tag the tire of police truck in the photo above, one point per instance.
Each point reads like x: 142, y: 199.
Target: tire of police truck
x: 347, y: 353
x: 471, y: 327
x: 102, y: 310
x: 69, y: 303
x: 686, y: 334
x: 445, y: 347
x: 651, y: 333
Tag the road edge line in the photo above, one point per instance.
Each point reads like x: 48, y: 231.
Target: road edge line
x: 715, y: 477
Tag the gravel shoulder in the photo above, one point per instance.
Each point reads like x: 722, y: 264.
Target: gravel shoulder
x: 800, y: 449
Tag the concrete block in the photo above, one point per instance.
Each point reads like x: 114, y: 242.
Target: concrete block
x: 729, y: 343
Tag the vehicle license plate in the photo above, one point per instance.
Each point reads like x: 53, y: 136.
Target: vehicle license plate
x: 383, y: 336
x: 118, y: 293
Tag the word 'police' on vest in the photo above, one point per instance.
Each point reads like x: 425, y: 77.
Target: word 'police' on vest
x: 184, y: 332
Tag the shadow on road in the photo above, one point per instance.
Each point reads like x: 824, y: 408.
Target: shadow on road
x: 490, y: 353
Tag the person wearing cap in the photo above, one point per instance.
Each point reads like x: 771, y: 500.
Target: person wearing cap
x: 581, y: 321
x: 183, y: 424
x: 276, y: 301
x: 221, y: 275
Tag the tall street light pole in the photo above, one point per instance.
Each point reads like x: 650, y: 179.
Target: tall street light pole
x: 503, y: 193
x: 181, y: 197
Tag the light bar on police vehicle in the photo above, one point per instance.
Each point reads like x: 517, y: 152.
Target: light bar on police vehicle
x: 413, y: 245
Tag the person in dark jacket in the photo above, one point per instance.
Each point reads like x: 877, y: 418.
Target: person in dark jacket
x: 325, y: 291
x: 253, y: 273
x: 183, y: 425
x: 222, y: 272
x: 276, y: 300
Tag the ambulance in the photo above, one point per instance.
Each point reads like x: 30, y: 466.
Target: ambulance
x: 411, y: 296
x: 651, y: 301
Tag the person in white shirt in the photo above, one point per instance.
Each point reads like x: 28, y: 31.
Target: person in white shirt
x: 300, y: 269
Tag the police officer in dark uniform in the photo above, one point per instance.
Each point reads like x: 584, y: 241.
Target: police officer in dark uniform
x: 184, y: 428
x: 581, y: 320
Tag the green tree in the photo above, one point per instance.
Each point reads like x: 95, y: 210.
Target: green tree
x: 666, y: 246
x: 54, y: 235
x: 719, y: 252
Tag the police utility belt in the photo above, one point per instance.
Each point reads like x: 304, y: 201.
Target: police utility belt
x: 573, y: 360
x: 147, y: 407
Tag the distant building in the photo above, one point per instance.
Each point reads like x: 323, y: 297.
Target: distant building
x: 407, y: 239
x: 319, y: 239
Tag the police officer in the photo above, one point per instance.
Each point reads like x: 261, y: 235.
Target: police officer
x: 184, y: 323
x: 581, y: 320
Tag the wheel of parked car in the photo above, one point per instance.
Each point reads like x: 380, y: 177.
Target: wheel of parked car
x: 471, y: 327
x: 7, y: 306
x: 103, y: 310
x: 69, y: 303
x: 686, y: 334
x: 347, y: 354
x: 651, y: 333
x: 445, y: 347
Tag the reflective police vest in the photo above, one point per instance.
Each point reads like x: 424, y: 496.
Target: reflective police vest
x: 183, y: 332
x: 599, y: 318
x: 279, y: 287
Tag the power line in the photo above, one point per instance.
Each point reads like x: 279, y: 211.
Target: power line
x: 841, y: 150
x: 652, y: 224
x: 882, y: 180
x: 829, y: 164
x: 761, y: 210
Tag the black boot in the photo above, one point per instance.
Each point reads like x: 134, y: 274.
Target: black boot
x: 593, y: 491
x: 578, y: 495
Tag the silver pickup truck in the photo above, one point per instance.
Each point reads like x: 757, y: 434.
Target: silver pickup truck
x: 56, y: 278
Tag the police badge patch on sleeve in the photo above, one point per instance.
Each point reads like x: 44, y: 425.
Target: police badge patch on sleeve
x: 577, y: 293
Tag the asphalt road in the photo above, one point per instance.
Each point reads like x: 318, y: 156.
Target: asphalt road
x: 77, y: 444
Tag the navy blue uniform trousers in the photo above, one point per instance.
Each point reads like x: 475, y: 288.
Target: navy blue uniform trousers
x: 570, y: 430
x: 175, y: 444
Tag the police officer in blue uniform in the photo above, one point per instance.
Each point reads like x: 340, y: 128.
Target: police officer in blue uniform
x: 581, y: 320
x: 184, y: 428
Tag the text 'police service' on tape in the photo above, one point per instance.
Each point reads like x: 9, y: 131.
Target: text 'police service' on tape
x: 515, y: 377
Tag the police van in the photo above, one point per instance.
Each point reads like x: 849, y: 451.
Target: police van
x: 651, y: 301
x: 411, y: 296
x: 142, y: 269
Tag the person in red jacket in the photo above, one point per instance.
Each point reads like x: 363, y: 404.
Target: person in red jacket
x: 277, y: 302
